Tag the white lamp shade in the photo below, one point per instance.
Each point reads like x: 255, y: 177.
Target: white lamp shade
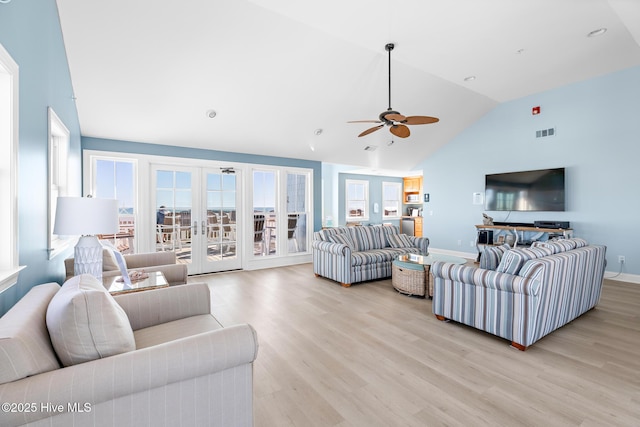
x: 85, y: 216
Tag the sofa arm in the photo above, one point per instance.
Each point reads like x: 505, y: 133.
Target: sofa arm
x: 332, y: 248
x: 421, y: 243
x: 157, y: 306
x: 127, y: 374
x: 484, y: 278
x: 332, y: 260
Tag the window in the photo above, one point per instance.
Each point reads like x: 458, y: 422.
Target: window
x: 391, y: 200
x: 115, y: 179
x: 8, y: 170
x: 297, y: 213
x: 264, y: 212
x: 357, y: 200
x: 58, y: 182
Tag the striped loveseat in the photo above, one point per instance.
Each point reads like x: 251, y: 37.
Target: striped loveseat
x: 521, y: 294
x: 356, y: 254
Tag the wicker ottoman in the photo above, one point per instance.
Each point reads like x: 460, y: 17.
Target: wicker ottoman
x: 409, y: 278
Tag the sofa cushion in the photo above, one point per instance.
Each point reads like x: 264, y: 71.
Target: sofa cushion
x: 580, y: 243
x: 386, y: 231
x: 367, y: 238
x: 492, y: 255
x: 513, y: 260
x: 85, y: 323
x: 344, y: 239
x: 25, y: 347
x: 399, y: 241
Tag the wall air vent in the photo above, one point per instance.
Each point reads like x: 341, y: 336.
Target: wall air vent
x: 545, y: 132
x: 370, y: 148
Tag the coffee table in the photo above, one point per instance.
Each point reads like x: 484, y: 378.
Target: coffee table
x: 410, y: 272
x: 155, y: 280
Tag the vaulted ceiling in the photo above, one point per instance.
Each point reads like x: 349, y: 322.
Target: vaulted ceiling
x: 275, y: 71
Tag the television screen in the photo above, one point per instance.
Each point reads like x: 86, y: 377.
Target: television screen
x: 538, y: 190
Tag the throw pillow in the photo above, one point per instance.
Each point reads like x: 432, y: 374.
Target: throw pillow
x: 580, y: 243
x: 344, y: 239
x: 399, y: 241
x: 492, y: 255
x: 514, y: 259
x: 85, y: 322
x: 109, y: 262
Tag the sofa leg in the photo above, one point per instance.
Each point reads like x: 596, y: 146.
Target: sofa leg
x: 441, y: 318
x: 345, y: 285
x: 316, y: 274
x: 518, y: 346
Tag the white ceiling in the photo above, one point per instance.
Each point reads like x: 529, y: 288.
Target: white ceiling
x: 277, y: 70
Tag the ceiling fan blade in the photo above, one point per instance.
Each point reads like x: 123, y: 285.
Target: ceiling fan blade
x: 420, y: 120
x: 396, y: 117
x: 370, y: 130
x: 364, y: 121
x: 401, y: 131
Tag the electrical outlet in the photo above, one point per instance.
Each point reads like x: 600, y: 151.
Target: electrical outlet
x: 472, y: 243
x: 459, y: 242
x: 621, y: 259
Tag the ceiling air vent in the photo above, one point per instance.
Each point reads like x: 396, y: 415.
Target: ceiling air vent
x: 370, y: 148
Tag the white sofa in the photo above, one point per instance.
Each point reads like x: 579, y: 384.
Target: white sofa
x: 186, y: 369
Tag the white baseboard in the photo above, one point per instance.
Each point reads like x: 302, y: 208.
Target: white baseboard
x: 622, y: 277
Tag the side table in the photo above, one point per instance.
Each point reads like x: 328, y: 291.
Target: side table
x: 155, y: 280
x: 410, y: 272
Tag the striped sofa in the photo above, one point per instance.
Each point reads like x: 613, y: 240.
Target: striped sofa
x: 522, y: 294
x: 185, y: 368
x: 356, y: 254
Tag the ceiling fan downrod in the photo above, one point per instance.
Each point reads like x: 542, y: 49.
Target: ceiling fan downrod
x: 389, y: 47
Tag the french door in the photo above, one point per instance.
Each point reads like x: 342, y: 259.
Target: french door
x: 197, y: 217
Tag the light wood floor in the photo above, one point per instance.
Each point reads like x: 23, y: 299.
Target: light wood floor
x: 368, y: 356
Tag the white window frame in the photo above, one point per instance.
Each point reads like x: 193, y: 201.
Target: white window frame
x: 350, y: 198
x: 398, y: 189
x: 58, y: 180
x: 9, y: 142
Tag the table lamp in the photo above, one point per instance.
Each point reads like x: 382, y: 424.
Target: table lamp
x: 86, y: 216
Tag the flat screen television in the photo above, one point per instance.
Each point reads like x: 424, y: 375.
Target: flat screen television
x: 537, y: 190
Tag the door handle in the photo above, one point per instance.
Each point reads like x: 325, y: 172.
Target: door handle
x: 195, y: 227
x: 203, y: 228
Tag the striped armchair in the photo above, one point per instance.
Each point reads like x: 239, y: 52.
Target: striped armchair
x: 531, y: 293
x: 356, y: 254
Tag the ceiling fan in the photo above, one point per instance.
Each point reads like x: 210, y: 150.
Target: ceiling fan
x: 396, y: 121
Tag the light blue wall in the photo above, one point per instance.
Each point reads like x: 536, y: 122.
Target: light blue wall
x: 375, y: 196
x: 30, y: 32
x: 195, y: 153
x: 598, y: 141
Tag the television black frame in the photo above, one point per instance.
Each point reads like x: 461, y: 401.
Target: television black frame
x: 548, y: 207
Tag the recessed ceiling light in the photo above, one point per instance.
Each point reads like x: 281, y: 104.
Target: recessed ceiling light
x: 469, y: 78
x: 211, y: 114
x: 519, y: 51
x: 318, y: 132
x: 598, y: 32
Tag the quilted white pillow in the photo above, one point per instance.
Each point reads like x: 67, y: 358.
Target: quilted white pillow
x: 85, y: 322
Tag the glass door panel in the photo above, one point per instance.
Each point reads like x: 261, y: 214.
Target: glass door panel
x: 221, y: 223
x: 174, y: 207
